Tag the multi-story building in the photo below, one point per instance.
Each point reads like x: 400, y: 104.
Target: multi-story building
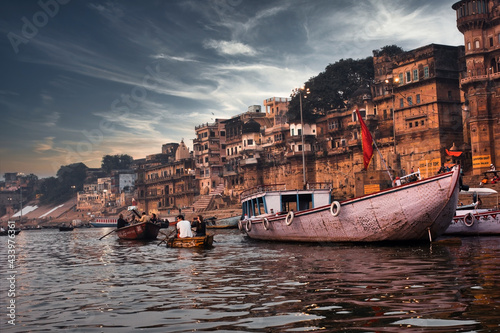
x: 479, y: 22
x: 209, y: 155
x: 163, y: 188
x: 418, y: 92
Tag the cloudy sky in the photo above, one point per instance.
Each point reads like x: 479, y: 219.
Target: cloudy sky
x: 83, y: 79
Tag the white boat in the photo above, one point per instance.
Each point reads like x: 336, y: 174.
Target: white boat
x: 472, y: 220
x: 104, y: 222
x: 225, y: 223
x: 418, y: 210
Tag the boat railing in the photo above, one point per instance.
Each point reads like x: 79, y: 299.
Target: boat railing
x: 262, y: 189
x: 282, y: 187
x: 408, y: 178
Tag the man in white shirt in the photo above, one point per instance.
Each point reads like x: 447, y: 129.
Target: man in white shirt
x: 183, y: 227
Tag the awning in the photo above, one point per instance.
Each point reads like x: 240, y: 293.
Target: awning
x: 453, y: 153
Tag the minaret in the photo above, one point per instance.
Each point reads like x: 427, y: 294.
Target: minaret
x: 479, y: 22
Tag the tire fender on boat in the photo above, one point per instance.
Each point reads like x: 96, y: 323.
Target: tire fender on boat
x: 289, y: 218
x: 265, y: 222
x: 248, y: 226
x: 335, y: 208
x: 469, y: 219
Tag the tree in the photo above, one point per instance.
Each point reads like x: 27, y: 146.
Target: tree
x: 332, y: 88
x: 70, y: 178
x: 116, y: 162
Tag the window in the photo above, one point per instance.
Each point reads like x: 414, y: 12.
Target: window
x: 400, y: 78
x: 410, y: 100
x: 206, y: 159
x: 498, y: 38
x: 410, y: 125
x: 415, y: 75
x: 408, y: 77
x: 385, y: 114
x: 299, y: 131
x: 422, y: 122
x: 293, y: 132
x: 250, y: 142
x: 401, y: 103
x: 418, y: 99
x: 450, y: 96
x: 416, y: 123
x: 426, y: 72
x: 491, y: 41
x: 477, y: 44
x: 468, y: 46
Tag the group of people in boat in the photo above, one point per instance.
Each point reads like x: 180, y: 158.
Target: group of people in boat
x: 196, y: 228
x: 144, y: 218
x: 185, y: 228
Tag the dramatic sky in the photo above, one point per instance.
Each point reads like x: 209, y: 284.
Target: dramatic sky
x: 83, y: 79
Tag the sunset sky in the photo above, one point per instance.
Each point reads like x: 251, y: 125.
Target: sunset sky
x: 83, y: 79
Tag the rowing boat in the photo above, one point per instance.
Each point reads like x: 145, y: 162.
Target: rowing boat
x: 203, y: 241
x: 139, y: 231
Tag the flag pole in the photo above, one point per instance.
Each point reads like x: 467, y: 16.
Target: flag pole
x: 368, y: 143
x: 383, y: 161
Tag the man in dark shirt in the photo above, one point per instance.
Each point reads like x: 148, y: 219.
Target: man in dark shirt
x: 201, y: 228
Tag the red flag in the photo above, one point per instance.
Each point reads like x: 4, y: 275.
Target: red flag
x: 367, y: 142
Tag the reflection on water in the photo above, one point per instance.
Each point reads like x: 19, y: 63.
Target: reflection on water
x: 71, y: 281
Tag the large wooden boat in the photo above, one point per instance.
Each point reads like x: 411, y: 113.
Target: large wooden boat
x: 414, y: 211
x: 202, y: 241
x: 139, y: 231
x: 470, y: 220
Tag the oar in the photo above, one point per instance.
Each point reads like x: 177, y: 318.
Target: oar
x: 108, y: 233
x: 167, y: 236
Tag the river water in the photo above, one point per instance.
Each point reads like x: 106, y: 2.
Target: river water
x: 73, y: 282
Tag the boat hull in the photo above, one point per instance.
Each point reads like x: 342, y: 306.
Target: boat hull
x: 421, y: 210
x: 139, y: 231
x: 202, y: 242
x: 226, y: 223
x: 475, y: 224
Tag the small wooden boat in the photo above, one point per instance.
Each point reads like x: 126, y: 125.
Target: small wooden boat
x: 6, y: 232
x: 66, y: 228
x: 226, y: 223
x: 139, y: 231
x: 203, y: 241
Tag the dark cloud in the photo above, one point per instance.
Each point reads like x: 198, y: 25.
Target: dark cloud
x: 85, y: 79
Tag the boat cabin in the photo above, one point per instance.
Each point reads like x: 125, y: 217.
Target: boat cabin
x: 275, y: 199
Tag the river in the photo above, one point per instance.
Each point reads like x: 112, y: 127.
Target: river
x: 74, y: 282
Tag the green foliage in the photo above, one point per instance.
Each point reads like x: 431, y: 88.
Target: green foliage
x: 116, y: 162
x: 388, y: 50
x: 70, y: 179
x: 332, y: 88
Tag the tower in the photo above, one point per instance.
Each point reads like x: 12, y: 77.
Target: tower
x: 479, y: 22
